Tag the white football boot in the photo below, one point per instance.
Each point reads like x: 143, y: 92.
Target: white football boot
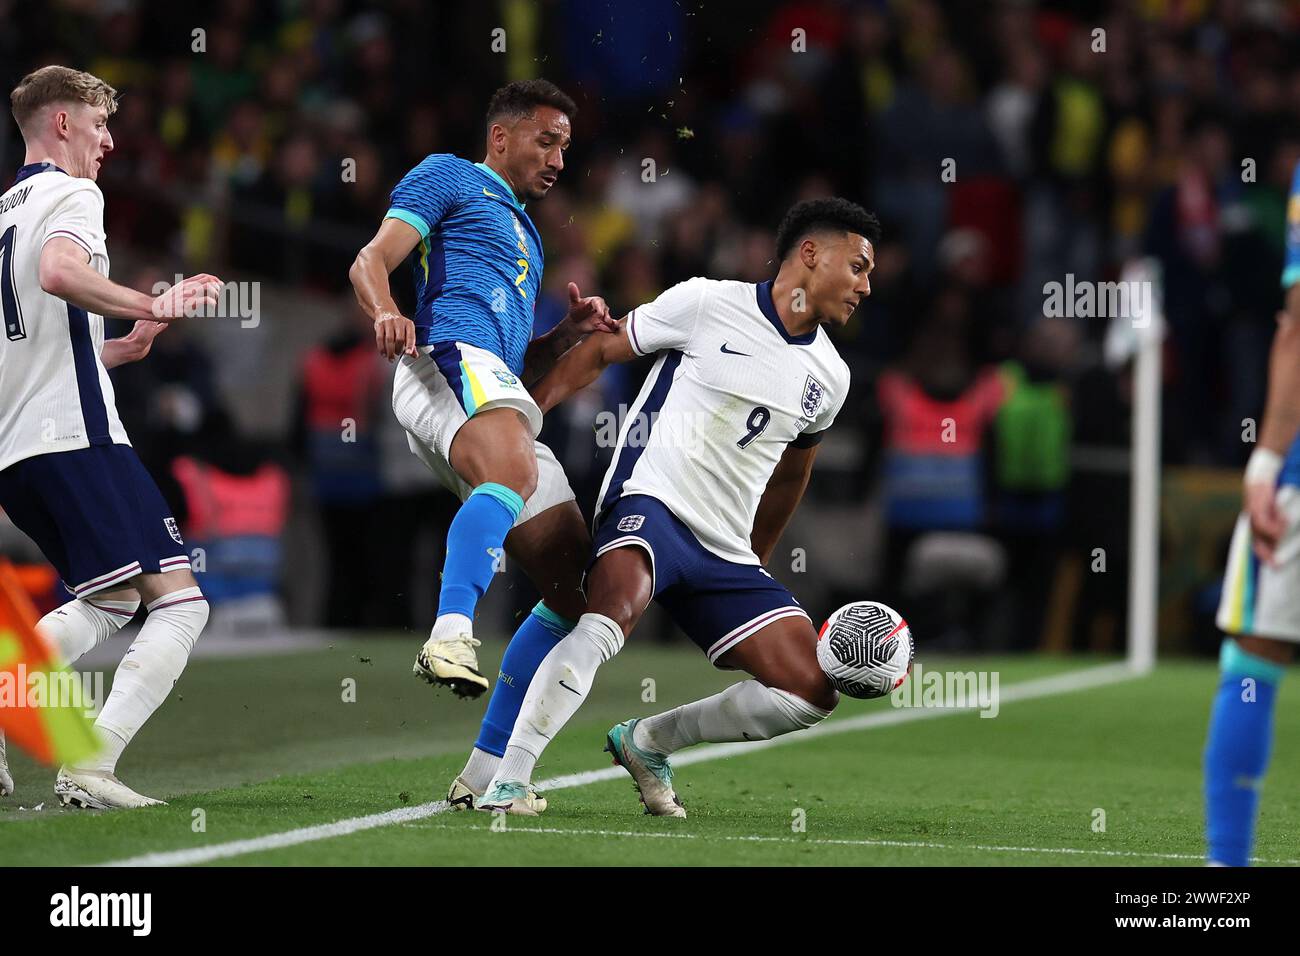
x: 96, y: 790
x: 448, y: 660
x: 510, y: 796
x: 461, y: 795
x: 6, y: 778
x: 651, y: 771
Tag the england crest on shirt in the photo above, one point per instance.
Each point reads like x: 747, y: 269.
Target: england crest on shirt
x: 170, y: 525
x: 813, y: 393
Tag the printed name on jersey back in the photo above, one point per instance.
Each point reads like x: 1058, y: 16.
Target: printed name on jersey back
x: 56, y: 394
x: 15, y: 198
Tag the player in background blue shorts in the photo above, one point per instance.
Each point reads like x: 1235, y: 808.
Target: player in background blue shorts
x: 711, y: 464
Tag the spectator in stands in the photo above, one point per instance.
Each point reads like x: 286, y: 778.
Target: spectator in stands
x: 1031, y: 470
x: 235, y: 497
x: 936, y: 406
x: 343, y: 387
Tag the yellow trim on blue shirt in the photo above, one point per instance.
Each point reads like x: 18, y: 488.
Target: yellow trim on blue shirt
x: 510, y: 193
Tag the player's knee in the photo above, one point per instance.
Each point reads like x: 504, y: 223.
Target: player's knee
x: 520, y: 477
x: 619, y: 609
x: 810, y: 685
x: 567, y: 603
x: 203, y: 611
x: 1276, y: 651
x: 187, y: 610
x: 527, y: 482
x: 621, y: 604
x: 620, y: 586
x: 801, y: 712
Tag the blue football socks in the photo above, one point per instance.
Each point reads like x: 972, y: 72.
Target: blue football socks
x: 473, y: 545
x: 1237, y: 751
x: 540, y: 632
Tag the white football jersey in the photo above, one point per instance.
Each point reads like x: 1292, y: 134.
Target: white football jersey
x: 730, y: 391
x: 55, y: 394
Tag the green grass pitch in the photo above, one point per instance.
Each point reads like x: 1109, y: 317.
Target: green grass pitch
x: 266, y: 745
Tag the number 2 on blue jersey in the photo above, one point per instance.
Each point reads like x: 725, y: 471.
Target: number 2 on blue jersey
x: 523, y: 264
x: 756, y: 422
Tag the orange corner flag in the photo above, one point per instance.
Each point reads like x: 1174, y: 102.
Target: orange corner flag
x: 41, y: 707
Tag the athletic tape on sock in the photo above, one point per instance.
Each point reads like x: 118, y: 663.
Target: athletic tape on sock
x: 85, y: 623
x: 122, y: 610
x: 509, y: 498
x: 602, y: 631
x: 182, y: 596
x: 1234, y: 660
x: 797, y: 709
x: 554, y: 622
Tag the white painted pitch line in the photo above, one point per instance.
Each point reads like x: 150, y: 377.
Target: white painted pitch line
x: 274, y: 841
x: 1026, y: 690
x: 905, y: 844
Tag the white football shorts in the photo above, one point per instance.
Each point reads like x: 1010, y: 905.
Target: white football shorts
x: 1259, y: 600
x: 437, y: 393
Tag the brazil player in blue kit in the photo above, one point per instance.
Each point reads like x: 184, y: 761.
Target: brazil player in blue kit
x: 711, y: 464
x: 460, y: 390
x: 1259, y: 612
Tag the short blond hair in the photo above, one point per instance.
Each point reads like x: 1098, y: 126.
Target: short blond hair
x: 58, y: 84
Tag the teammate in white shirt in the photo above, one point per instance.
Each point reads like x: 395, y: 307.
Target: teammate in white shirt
x: 711, y: 464
x: 69, y: 478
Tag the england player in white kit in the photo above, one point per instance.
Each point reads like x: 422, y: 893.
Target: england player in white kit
x: 69, y: 478
x: 710, y: 466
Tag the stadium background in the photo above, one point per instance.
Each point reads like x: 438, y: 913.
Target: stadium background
x: 1067, y: 161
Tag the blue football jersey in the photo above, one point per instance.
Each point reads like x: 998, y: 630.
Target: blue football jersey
x: 1291, y: 271
x: 478, y: 267
x: 1290, y: 276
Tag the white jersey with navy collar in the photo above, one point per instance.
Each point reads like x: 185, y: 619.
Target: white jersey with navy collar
x: 55, y: 394
x: 730, y: 391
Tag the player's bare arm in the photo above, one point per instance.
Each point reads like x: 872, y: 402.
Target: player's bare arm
x: 1278, y: 431
x: 66, y: 273
x: 133, y: 346
x: 586, y: 314
x: 780, y: 499
x: 394, y: 332
x: 582, y: 365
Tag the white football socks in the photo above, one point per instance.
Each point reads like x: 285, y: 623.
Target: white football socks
x: 76, y: 627
x: 6, y: 779
x: 447, y: 626
x: 480, y: 769
x: 557, y: 691
x: 150, y: 668
x: 745, y: 711
x: 85, y: 623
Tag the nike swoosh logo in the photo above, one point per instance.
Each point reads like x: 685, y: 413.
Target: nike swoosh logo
x: 493, y: 195
x: 727, y: 351
x: 570, y: 689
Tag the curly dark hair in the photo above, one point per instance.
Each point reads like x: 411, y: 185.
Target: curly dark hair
x: 824, y: 215
x: 518, y: 99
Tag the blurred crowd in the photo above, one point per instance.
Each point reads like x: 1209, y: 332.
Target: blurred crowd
x: 1005, y: 145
